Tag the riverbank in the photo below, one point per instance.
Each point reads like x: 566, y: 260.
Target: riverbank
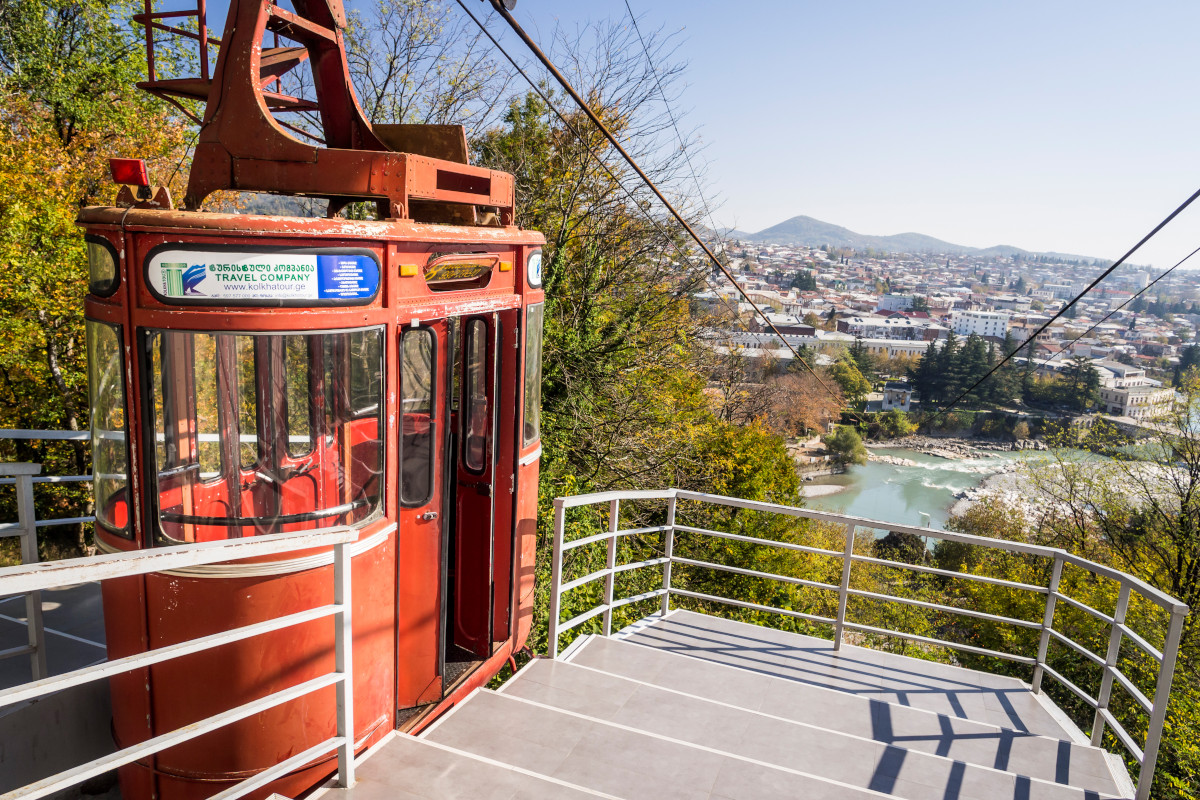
x: 904, y: 486
x: 821, y: 490
x: 1011, y: 486
x: 955, y: 448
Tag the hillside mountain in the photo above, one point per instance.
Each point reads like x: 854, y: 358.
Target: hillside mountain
x: 811, y: 232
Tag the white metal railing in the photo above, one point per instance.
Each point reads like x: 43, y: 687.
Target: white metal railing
x: 1156, y: 707
x: 13, y: 529
x: 23, y: 475
x: 30, y: 578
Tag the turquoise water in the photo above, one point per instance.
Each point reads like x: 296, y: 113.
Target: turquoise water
x: 910, y: 495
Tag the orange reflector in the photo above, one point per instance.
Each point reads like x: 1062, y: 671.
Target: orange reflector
x: 408, y: 270
x: 506, y: 266
x: 130, y: 171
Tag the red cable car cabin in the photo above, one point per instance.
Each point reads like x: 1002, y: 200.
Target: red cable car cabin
x: 403, y: 401
x: 260, y: 374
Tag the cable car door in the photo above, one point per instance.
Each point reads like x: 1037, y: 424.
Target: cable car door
x: 475, y: 509
x: 423, y: 361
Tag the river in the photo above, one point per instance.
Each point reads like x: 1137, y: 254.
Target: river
x: 918, y: 495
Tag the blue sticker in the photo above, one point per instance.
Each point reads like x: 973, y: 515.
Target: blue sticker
x: 347, y: 277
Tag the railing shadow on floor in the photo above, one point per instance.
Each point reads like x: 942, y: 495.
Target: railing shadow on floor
x: 1145, y: 754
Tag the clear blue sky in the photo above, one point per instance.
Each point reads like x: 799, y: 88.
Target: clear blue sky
x: 1069, y: 126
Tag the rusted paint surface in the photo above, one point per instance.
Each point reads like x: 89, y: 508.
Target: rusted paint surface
x: 242, y: 146
x: 398, y: 595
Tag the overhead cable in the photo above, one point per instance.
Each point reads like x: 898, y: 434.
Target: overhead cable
x: 1140, y: 292
x: 498, y: 5
x: 1068, y: 306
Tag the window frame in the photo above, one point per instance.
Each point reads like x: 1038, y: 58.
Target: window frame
x: 465, y: 405
x: 528, y: 441
x: 155, y: 535
x: 108, y: 290
x: 127, y: 532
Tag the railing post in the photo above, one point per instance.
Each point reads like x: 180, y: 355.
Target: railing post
x: 344, y: 662
x: 668, y: 550
x: 1158, y: 711
x: 614, y: 525
x: 27, y: 520
x: 1047, y: 624
x: 1110, y: 663
x: 844, y: 589
x: 556, y: 578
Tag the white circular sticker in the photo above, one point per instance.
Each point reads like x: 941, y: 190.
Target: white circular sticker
x: 535, y: 269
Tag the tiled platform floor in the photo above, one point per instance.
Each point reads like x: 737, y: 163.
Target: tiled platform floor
x: 690, y: 706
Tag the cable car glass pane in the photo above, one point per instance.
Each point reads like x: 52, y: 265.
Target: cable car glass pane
x: 102, y: 267
x: 299, y: 390
x: 533, y: 374
x: 416, y: 397
x: 208, y: 426
x: 475, y: 420
x: 366, y: 375
x: 106, y: 391
x: 244, y: 396
x: 237, y: 420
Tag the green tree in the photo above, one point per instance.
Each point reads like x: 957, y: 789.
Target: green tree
x: 846, y: 446
x: 924, y: 376
x: 862, y: 358
x: 805, y: 281
x: 68, y: 103
x: 1189, y: 359
x: 853, y: 385
x: 895, y: 424
x: 972, y: 364
x: 1081, y: 384
x: 947, y: 379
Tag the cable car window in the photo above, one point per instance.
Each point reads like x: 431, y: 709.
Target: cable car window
x: 254, y: 433
x: 299, y: 392
x: 475, y: 418
x: 417, y: 428
x: 106, y: 392
x: 102, y: 266
x: 533, y: 373
x: 366, y: 375
x: 244, y: 395
x: 456, y: 370
x: 208, y: 426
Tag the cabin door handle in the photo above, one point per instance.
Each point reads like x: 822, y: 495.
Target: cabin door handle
x: 429, y: 515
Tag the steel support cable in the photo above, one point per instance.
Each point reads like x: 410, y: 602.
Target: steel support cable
x: 1008, y: 356
x: 587, y: 145
x: 682, y: 143
x: 587, y: 110
x: 1140, y: 292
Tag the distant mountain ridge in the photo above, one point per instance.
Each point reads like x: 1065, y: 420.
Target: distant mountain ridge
x: 811, y: 232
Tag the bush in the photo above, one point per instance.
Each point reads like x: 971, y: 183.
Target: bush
x: 846, y: 446
x: 895, y: 424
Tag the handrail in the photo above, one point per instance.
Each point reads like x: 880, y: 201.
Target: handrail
x: 48, y: 575
x: 1155, y: 707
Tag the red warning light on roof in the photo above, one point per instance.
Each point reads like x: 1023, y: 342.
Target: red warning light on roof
x: 129, y: 171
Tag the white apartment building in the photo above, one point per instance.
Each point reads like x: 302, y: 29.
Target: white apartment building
x: 1137, y: 402
x: 895, y: 302
x: 981, y: 323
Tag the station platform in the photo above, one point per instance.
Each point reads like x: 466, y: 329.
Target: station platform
x: 692, y: 706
